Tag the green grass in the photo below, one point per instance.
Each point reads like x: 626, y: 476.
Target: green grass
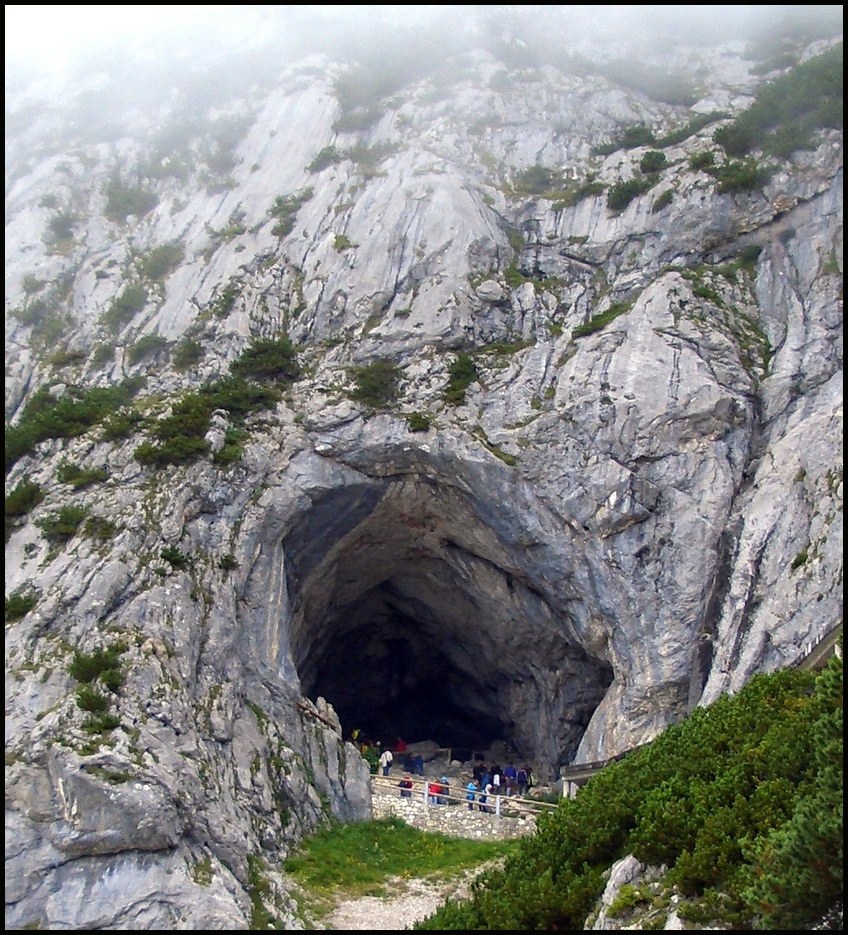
x: 354, y: 860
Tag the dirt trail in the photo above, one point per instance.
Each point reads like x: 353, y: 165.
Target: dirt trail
x: 405, y: 903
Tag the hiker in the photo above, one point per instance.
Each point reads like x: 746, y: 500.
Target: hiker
x: 433, y: 790
x: 496, y: 776
x: 405, y: 786
x: 521, y: 781
x: 386, y: 760
x: 444, y: 790
x: 510, y: 774
x: 471, y: 794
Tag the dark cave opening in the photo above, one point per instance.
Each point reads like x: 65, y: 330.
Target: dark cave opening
x: 391, y: 679
x: 414, y: 619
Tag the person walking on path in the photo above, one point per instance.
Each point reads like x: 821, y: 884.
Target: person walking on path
x: 386, y: 760
x: 471, y: 794
x: 405, y: 786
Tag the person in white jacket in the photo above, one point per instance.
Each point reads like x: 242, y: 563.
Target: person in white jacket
x: 386, y: 760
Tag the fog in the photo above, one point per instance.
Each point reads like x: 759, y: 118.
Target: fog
x: 54, y: 39
x: 97, y: 69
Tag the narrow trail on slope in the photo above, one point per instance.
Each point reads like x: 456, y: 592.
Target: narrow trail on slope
x: 406, y: 901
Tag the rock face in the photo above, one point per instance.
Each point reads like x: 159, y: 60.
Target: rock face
x: 630, y: 506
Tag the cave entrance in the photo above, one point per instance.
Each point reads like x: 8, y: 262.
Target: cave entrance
x: 414, y: 618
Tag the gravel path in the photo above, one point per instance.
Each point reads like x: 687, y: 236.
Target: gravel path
x: 405, y: 902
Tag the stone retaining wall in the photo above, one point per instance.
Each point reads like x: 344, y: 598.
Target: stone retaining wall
x: 454, y: 819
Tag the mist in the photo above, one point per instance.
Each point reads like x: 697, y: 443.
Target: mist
x: 52, y: 39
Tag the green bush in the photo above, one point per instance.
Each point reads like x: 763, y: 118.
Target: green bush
x: 121, y: 425
x: 228, y: 562
x: 621, y: 194
x: 631, y: 137
x: 749, y: 256
x: 702, y: 161
x: 268, y: 359
x: 149, y: 345
x: 744, y: 176
x: 328, y: 156
x: 176, y: 450
x: 88, y: 699
x: 175, y: 557
x: 60, y: 527
x: 67, y: 357
x: 75, y: 476
x: 461, y: 374
x: 376, y: 384
x: 571, y: 197
x: 161, y: 261
x: 86, y: 667
x: 675, y: 137
x: 342, y: 242
x: 98, y: 527
x: 225, y: 301
x: 67, y: 416
x: 284, y: 210
x: 663, y: 201
x: 537, y: 180
x: 101, y: 723
x: 597, y: 322
x: 19, y: 603
x: 22, y: 499
x: 181, y: 435
x: 742, y: 803
x: 187, y: 354
x: 419, y: 421
x: 62, y: 226
x: 653, y: 161
x: 124, y: 308
x: 125, y: 200
x: 788, y: 110
x: 795, y: 875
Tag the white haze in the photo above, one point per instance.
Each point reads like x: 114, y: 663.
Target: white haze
x: 54, y: 37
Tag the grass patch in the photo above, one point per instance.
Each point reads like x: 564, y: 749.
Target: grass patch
x: 357, y: 859
x: 601, y: 321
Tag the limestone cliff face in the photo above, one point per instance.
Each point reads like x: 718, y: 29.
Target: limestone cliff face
x: 622, y: 516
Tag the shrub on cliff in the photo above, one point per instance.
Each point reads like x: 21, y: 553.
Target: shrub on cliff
x: 376, y: 384
x: 742, y: 803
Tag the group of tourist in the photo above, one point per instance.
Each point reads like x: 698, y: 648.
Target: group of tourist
x: 489, y: 781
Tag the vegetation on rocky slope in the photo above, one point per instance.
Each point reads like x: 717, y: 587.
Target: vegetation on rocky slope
x: 742, y: 803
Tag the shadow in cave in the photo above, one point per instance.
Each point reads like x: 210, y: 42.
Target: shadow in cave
x: 392, y: 686
x: 415, y: 615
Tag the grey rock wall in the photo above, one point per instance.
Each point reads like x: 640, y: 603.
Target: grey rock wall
x: 610, y: 529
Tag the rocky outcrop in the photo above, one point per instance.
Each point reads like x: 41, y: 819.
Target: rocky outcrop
x: 631, y: 505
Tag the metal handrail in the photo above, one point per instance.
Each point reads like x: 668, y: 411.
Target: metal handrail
x: 507, y: 806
